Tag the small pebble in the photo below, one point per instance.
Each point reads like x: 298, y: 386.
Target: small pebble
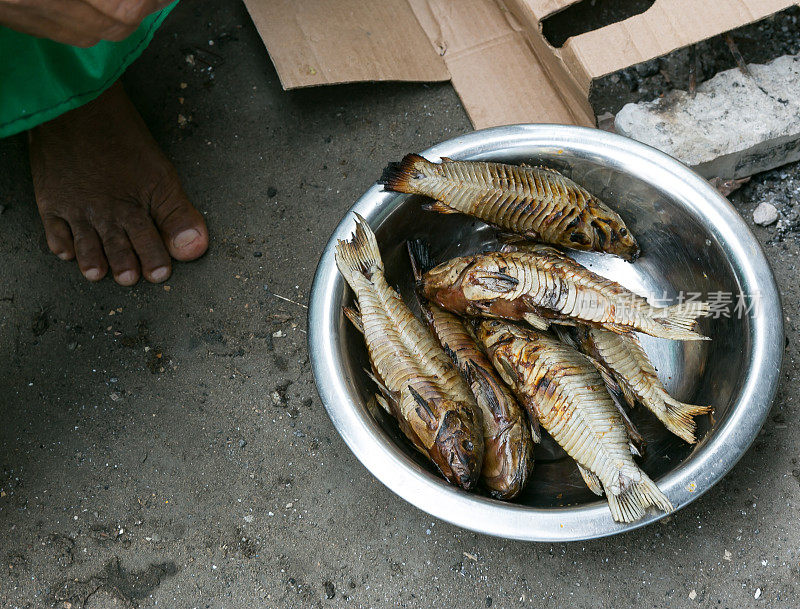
x: 693, y: 594
x: 272, y: 191
x: 248, y: 518
x: 757, y: 594
x: 242, y: 443
x: 330, y: 590
x: 257, y: 254
x: 765, y: 214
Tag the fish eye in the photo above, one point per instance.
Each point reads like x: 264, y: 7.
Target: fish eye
x: 623, y: 231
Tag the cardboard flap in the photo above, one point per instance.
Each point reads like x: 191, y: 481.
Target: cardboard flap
x: 493, y: 68
x: 545, y: 8
x: 666, y: 26
x: 313, y: 42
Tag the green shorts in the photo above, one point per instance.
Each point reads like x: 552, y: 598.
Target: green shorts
x: 41, y: 79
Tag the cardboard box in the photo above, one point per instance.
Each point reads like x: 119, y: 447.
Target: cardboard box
x: 493, y: 51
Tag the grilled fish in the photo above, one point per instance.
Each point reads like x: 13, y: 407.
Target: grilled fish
x: 632, y: 369
x: 508, y: 450
x: 535, y: 202
x: 541, y: 285
x: 572, y: 404
x: 420, y: 386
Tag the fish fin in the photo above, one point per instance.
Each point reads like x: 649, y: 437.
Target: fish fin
x: 420, y: 255
x: 496, y: 282
x: 617, y: 392
x: 678, y: 321
x: 440, y: 207
x: 479, y: 379
x: 605, y: 373
x: 591, y: 480
x: 627, y: 394
x: 400, y: 177
x: 360, y: 255
x: 422, y: 403
x: 377, y: 403
x: 678, y: 418
x: 537, y: 321
x: 447, y: 159
x: 536, y: 430
x: 384, y: 403
x: 566, y: 336
x: 550, y: 170
x: 354, y: 318
x: 450, y: 353
x: 631, y: 505
x: 506, y: 371
x: 529, y: 242
x: 374, y: 378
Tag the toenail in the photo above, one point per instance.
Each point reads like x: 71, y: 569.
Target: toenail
x: 126, y: 277
x: 63, y: 255
x: 185, y: 238
x: 92, y: 274
x: 160, y: 274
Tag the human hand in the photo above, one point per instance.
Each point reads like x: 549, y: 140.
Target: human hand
x: 81, y: 23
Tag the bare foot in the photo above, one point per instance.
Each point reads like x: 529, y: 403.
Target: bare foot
x: 109, y: 197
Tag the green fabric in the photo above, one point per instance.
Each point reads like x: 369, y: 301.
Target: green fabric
x: 41, y: 79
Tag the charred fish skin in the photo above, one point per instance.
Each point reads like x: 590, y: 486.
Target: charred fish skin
x: 420, y: 385
x: 574, y: 407
x: 508, y: 448
x: 542, y: 284
x: 536, y: 202
x: 631, y: 367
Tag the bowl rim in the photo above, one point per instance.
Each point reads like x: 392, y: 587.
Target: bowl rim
x: 693, y: 477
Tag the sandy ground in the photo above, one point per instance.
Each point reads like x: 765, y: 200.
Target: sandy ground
x: 165, y: 446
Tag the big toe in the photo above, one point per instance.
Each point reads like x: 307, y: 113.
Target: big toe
x: 182, y: 227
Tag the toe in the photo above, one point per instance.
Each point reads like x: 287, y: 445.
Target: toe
x: 89, y: 252
x: 59, y: 237
x: 121, y: 258
x: 149, y: 246
x: 182, y: 226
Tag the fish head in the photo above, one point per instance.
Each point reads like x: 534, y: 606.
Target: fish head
x: 459, y: 442
x: 443, y: 284
x: 492, y: 332
x: 607, y: 232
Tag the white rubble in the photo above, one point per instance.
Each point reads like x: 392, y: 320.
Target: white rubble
x: 765, y: 214
x: 735, y: 125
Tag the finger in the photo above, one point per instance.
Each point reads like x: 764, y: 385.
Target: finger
x: 130, y: 12
x: 89, y: 251
x: 77, y: 19
x: 149, y: 247
x: 119, y: 253
x: 33, y: 23
x: 59, y: 237
x: 182, y: 227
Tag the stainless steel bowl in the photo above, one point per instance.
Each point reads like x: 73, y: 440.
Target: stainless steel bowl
x: 692, y: 240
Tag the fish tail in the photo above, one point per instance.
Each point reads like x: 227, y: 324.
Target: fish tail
x: 678, y: 321
x: 360, y: 255
x: 354, y: 317
x: 632, y: 503
x: 420, y: 254
x: 400, y: 176
x: 678, y: 418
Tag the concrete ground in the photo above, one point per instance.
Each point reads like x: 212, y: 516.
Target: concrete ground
x: 144, y: 461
